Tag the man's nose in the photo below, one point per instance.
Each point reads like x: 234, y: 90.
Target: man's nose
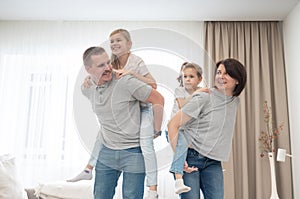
x: 108, y: 66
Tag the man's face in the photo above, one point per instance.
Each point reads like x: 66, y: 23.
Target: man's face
x: 101, y: 69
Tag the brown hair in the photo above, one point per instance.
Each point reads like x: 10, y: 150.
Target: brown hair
x: 237, y: 71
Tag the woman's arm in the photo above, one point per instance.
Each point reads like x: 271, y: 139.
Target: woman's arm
x: 183, y: 101
x: 179, y: 119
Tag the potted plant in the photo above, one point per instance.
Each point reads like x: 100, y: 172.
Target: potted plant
x: 266, y: 140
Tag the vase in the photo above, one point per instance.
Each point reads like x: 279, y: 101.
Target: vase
x: 274, y: 194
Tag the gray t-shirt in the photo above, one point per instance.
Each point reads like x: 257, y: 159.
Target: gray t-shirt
x: 210, y: 130
x: 116, y: 104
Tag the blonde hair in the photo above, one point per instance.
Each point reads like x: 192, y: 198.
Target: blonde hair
x: 189, y: 65
x: 126, y: 35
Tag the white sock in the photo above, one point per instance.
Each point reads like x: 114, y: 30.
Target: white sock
x: 86, y: 174
x: 180, y: 187
x: 152, y: 195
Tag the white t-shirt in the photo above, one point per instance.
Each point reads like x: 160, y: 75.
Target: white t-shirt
x: 136, y: 64
x: 180, y: 92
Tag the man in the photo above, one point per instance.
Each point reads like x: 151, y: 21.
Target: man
x: 116, y: 103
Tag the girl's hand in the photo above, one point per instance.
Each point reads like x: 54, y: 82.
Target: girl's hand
x: 87, y: 82
x: 188, y: 169
x: 121, y: 72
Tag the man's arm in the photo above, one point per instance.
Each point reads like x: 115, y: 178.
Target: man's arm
x: 157, y: 101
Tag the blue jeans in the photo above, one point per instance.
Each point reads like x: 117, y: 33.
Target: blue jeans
x: 208, y: 178
x: 109, y: 167
x: 146, y: 142
x: 179, y: 154
x: 95, y: 152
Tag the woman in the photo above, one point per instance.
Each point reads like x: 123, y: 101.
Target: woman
x: 208, y: 121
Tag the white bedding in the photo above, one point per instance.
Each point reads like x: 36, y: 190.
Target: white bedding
x: 65, y: 190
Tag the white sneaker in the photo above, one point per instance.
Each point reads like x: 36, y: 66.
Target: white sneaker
x: 180, y: 187
x: 84, y: 175
x: 152, y: 195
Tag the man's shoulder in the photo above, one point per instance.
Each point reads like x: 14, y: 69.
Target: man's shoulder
x: 128, y: 81
x: 127, y: 78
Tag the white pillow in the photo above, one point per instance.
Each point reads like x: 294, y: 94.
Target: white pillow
x: 10, y: 186
x: 66, y: 190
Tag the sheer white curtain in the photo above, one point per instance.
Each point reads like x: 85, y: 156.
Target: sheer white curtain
x: 36, y: 104
x: 39, y: 66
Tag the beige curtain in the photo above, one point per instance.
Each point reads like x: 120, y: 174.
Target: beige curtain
x: 259, y: 46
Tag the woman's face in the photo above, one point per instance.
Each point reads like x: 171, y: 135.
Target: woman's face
x: 119, y: 45
x: 224, y: 81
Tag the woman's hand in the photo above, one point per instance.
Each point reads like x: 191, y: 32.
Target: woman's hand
x: 204, y: 89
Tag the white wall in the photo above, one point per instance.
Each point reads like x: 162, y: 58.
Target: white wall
x: 292, y: 42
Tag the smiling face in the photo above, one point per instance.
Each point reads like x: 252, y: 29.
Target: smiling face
x: 224, y: 82
x: 119, y: 44
x: 100, y: 69
x: 190, y: 79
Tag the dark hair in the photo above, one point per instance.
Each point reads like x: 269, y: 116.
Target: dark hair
x: 89, y: 52
x: 237, y: 71
x: 189, y: 65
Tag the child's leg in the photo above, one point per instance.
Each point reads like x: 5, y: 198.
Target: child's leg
x: 95, y: 153
x: 180, y: 154
x: 177, y: 166
x: 146, y: 142
x: 86, y: 174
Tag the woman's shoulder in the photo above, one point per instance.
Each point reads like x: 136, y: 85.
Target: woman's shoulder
x: 201, y: 96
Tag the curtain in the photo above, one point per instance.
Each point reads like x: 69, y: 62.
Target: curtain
x: 259, y: 46
x: 36, y: 122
